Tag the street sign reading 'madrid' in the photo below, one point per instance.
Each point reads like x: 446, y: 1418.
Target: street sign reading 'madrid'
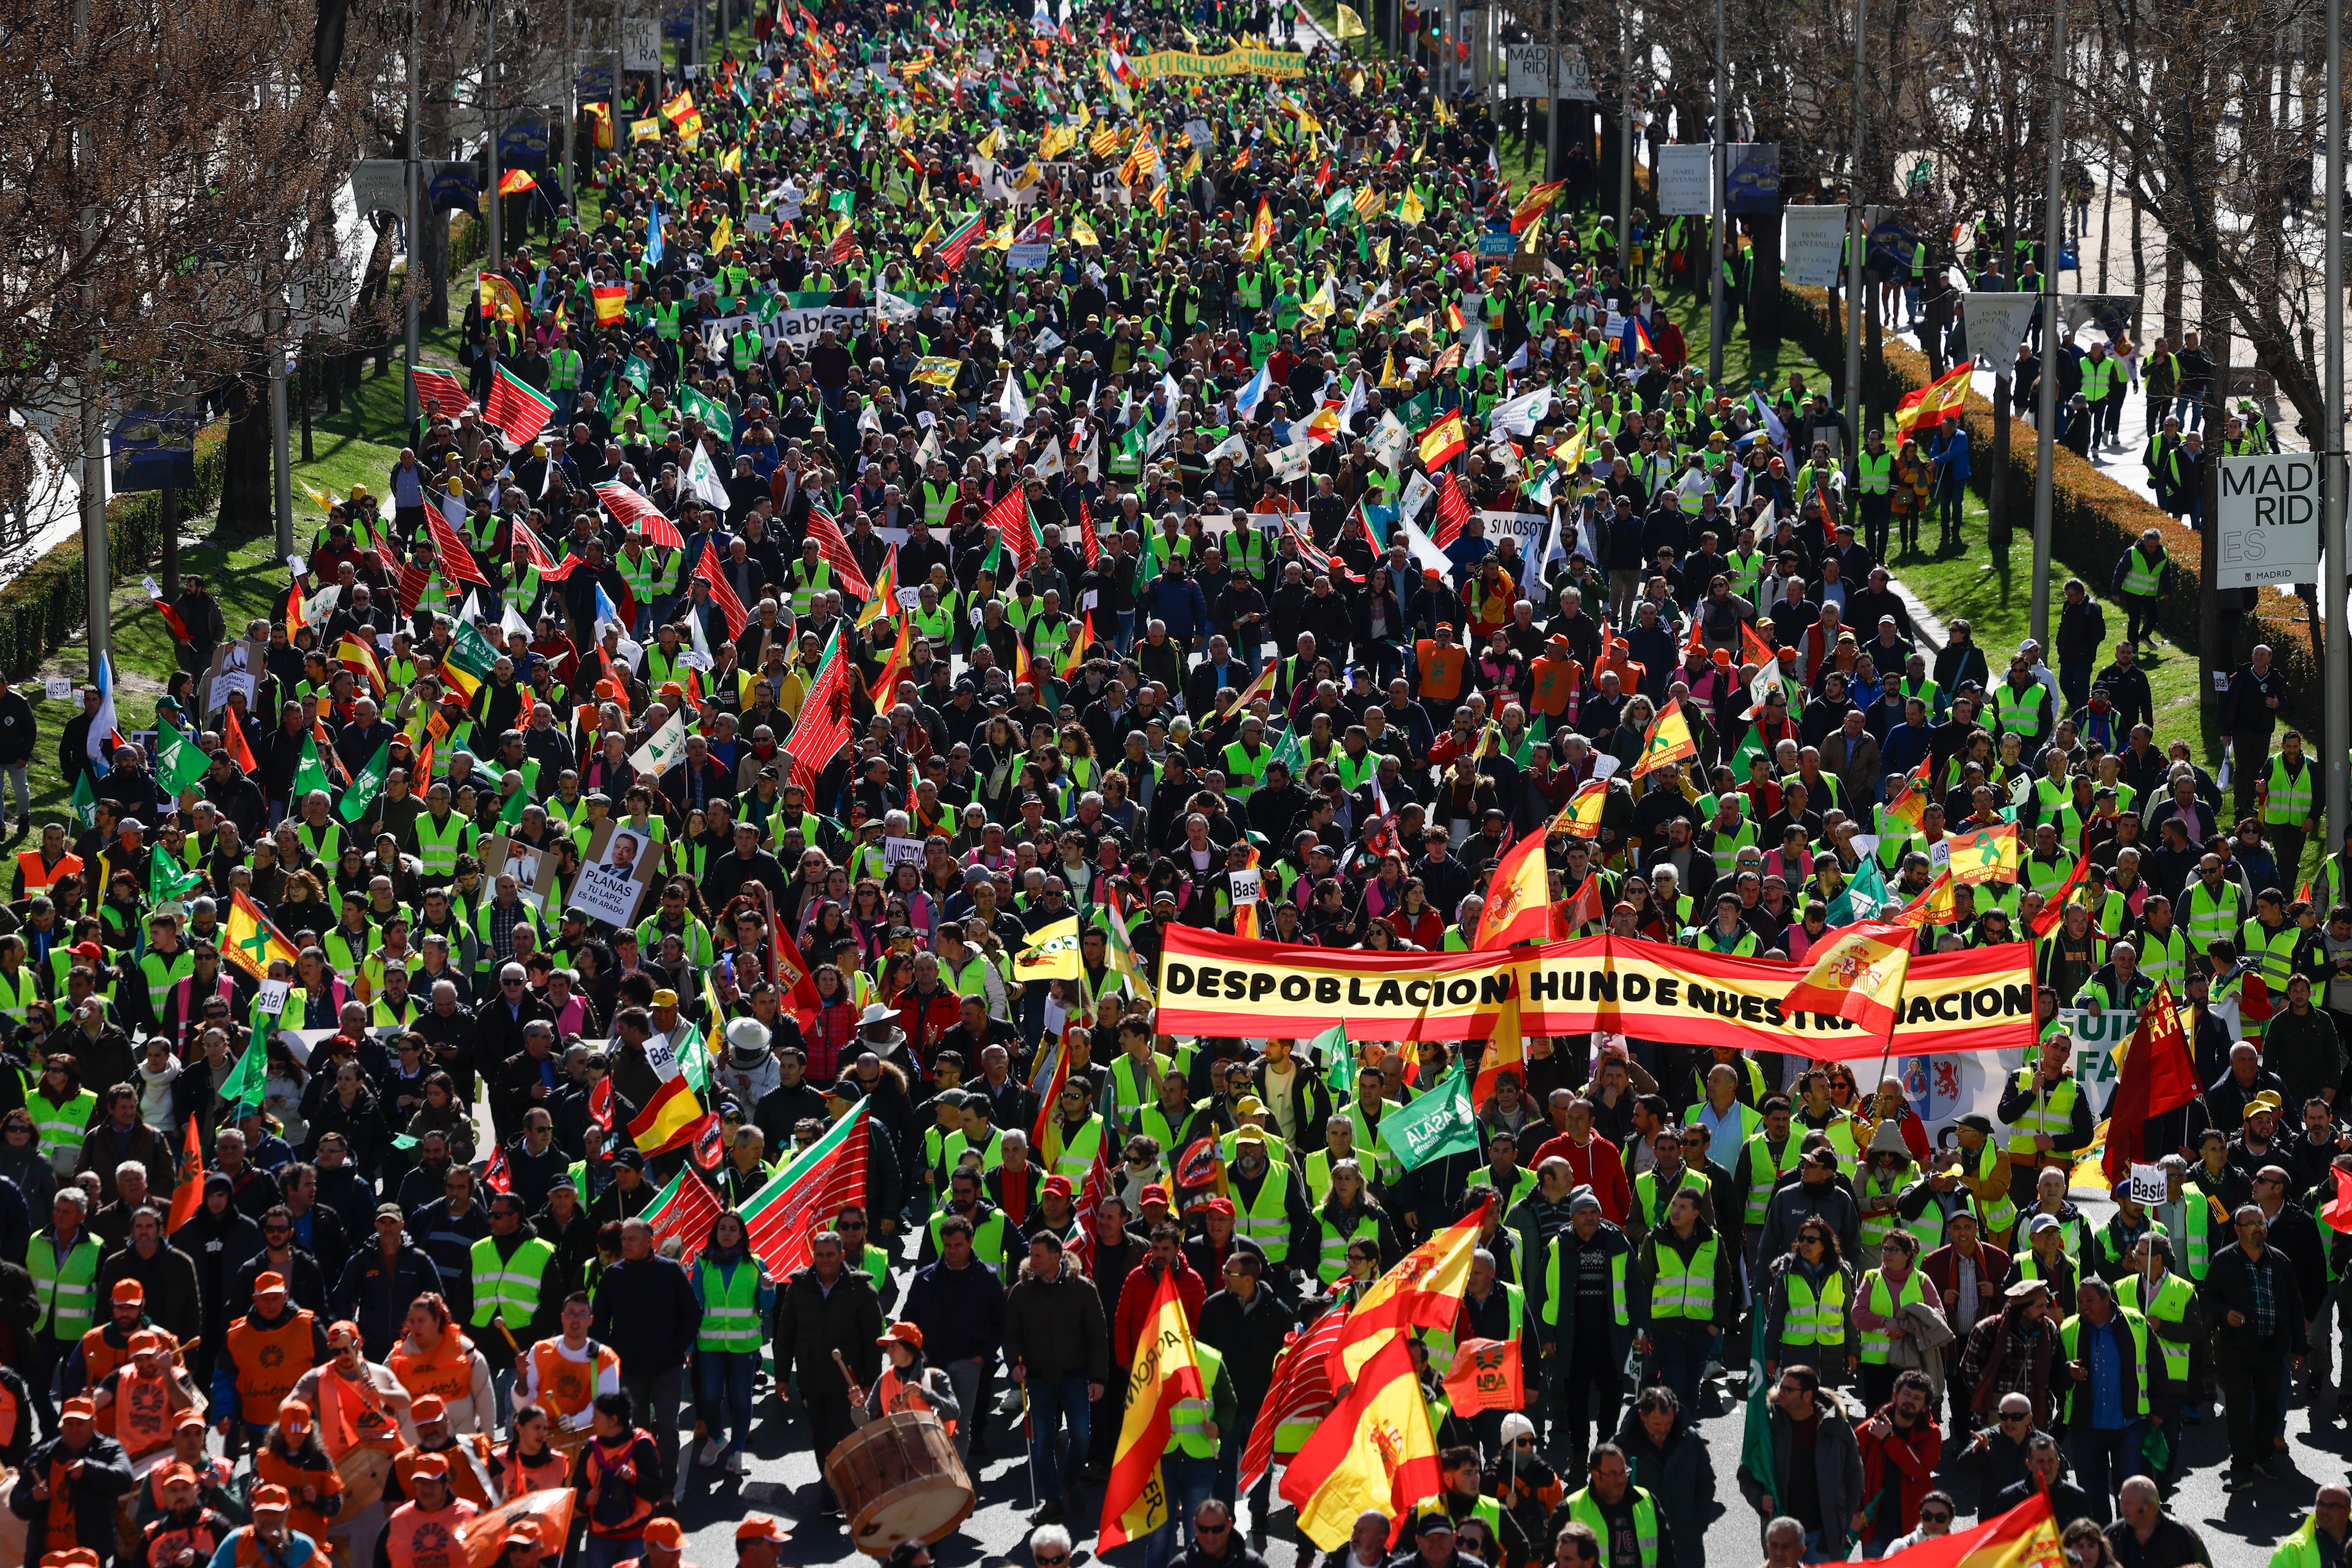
x: 2268, y: 522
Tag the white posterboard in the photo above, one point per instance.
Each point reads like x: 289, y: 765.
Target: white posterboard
x: 2267, y: 525
x: 1812, y: 242
x: 2147, y: 1184
x: 1685, y: 179
x: 613, y: 879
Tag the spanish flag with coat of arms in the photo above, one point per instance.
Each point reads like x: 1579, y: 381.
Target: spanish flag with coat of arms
x: 1858, y: 974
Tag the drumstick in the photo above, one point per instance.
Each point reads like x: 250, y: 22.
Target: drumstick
x: 856, y: 1394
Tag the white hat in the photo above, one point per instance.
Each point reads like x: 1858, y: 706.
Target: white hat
x: 747, y: 1043
x: 879, y: 1026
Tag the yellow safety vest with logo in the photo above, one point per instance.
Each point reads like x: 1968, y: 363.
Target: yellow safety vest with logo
x: 1877, y: 1344
x: 162, y: 973
x: 507, y: 1290
x: 2170, y: 1306
x: 2070, y: 1335
x: 1586, y: 1512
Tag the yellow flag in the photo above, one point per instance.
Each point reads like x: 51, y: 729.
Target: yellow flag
x: 1669, y: 742
x: 1083, y: 233
x: 1351, y: 24
x: 1052, y: 954
x: 990, y: 142
x: 1410, y: 209
x: 724, y: 235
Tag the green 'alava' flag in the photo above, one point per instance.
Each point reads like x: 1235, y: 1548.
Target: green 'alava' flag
x: 182, y: 764
x: 367, y: 786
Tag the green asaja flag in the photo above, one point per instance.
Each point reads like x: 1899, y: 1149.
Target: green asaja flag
x: 711, y: 414
x: 247, y: 1082
x: 182, y: 764
x: 1864, y: 893
x: 310, y: 774
x: 1339, y: 1056
x: 167, y: 879
x: 367, y: 786
x: 84, y: 803
x: 1439, y: 1123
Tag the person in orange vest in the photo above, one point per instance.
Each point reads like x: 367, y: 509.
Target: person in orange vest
x: 530, y: 1462
x: 1557, y: 677
x: 465, y: 1459
x: 422, y: 1532
x: 186, y: 1533
x: 108, y: 1346
x: 147, y: 1395
x: 564, y: 1375
x: 271, y: 1540
x: 212, y: 1476
x: 360, y: 1404
x: 906, y: 1383
x: 434, y: 1357
x: 618, y: 1479
x: 262, y: 1355
x: 293, y: 1456
x: 1444, y: 666
x: 68, y: 1489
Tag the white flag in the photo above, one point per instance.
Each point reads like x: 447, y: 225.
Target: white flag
x: 1424, y: 550
x: 1010, y: 406
x: 662, y: 751
x: 702, y: 474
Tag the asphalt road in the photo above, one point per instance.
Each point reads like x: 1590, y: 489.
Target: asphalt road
x: 2239, y: 1530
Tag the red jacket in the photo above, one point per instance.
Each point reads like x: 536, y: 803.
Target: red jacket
x: 1135, y: 1300
x: 1914, y: 1456
x: 1596, y: 1164
x: 926, y: 1021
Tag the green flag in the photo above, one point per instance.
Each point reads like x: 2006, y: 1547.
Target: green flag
x: 310, y: 774
x: 1438, y: 1123
x: 1291, y: 755
x: 994, y: 562
x: 167, y: 879
x: 182, y: 764
x: 1756, y: 1448
x: 248, y: 1080
x: 711, y: 414
x: 1339, y: 1056
x: 367, y: 786
x: 1863, y: 895
x: 84, y: 803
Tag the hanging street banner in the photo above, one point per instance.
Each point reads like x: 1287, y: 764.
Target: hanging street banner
x: 1978, y: 1000
x: 2268, y: 522
x: 1686, y: 178
x: 1996, y: 324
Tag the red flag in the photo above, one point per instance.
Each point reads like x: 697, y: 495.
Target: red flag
x: 457, y: 561
x: 1453, y: 512
x: 1089, y: 543
x: 1485, y: 1375
x: 440, y: 392
x: 549, y: 568
x: 2159, y: 1075
x: 1582, y: 908
x: 722, y: 594
x: 189, y: 1196
x: 2053, y: 909
x: 685, y: 1211
x: 834, y: 546
x: 233, y: 738
x: 496, y: 1176
x: 1009, y: 517
x: 1301, y: 1392
x: 2337, y: 1214
x: 600, y: 1103
x: 823, y: 727
x: 634, y: 511
x: 171, y: 617
x: 787, y: 968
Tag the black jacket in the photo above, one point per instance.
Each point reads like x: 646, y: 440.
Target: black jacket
x: 1249, y: 1338
x: 960, y: 1310
x: 2229, y: 1286
x: 812, y: 1325
x: 375, y: 1294
x: 105, y: 1476
x: 647, y: 1310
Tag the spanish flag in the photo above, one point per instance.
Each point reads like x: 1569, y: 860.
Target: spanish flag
x: 1669, y: 740
x: 1934, y: 404
x: 1519, y: 897
x: 514, y: 182
x: 1535, y: 203
x: 500, y: 298
x: 1985, y: 855
x: 1076, y: 654
x: 1376, y: 1451
x: 612, y: 303
x: 1858, y: 974
x: 1260, y: 232
x: 1423, y: 1291
x: 1442, y: 441
x: 2024, y: 1537
x: 670, y: 1118
x: 253, y: 942
x: 1166, y: 1370
x: 356, y: 656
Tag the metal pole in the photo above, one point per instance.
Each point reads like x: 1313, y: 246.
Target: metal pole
x: 416, y: 217
x: 281, y: 460
x: 571, y: 96
x: 98, y: 568
x: 1625, y: 151
x: 497, y: 245
x: 620, y: 129
x: 1551, y: 82
x: 2337, y: 669
x: 1717, y: 218
x: 1854, y: 240
x: 2045, y: 418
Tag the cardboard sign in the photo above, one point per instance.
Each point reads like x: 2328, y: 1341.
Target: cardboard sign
x: 621, y: 861
x: 1247, y: 886
x: 902, y: 851
x: 58, y: 689
x: 1486, y: 1376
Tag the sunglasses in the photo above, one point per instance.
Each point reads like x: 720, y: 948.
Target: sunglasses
x: 1209, y: 1528
x: 1050, y: 1559
x: 2006, y: 1418
x: 1926, y: 1518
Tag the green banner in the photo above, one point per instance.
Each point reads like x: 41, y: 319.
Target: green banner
x: 1439, y: 1123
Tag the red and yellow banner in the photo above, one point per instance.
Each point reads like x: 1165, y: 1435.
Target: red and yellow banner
x: 1980, y: 1000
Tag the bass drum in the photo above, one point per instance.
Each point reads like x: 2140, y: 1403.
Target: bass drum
x: 898, y: 1480
x: 365, y: 1470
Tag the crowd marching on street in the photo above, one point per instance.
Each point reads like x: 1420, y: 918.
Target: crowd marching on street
x: 657, y: 939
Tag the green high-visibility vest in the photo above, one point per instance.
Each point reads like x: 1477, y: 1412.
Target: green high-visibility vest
x: 937, y: 500
x: 666, y: 321
x: 744, y: 349
x: 507, y: 1290
x: 2070, y: 1335
x: 2272, y: 951
x: 442, y: 843
x: 1266, y: 1218
x: 1553, y: 1283
x: 2142, y: 576
x: 730, y: 1305
x: 2052, y: 1113
x: 2288, y: 800
x: 807, y: 585
x: 1586, y: 1512
x: 2019, y: 712
x: 563, y: 370
x: 1815, y: 1317
x: 1757, y: 1152
x: 162, y: 973
x: 2212, y: 915
x: 1877, y: 472
x: 1877, y: 1344
x: 1190, y: 1420
x: 65, y: 1290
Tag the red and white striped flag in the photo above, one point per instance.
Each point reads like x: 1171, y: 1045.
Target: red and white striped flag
x: 834, y: 545
x: 721, y: 592
x: 1453, y: 512
x: 438, y: 392
x: 1302, y: 1392
x: 823, y: 729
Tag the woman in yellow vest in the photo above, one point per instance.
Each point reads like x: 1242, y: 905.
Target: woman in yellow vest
x: 1808, y: 1307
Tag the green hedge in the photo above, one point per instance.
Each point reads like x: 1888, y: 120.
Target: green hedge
x: 49, y: 601
x: 2092, y: 518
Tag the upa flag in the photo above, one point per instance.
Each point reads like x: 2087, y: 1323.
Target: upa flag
x: 1423, y: 1291
x: 1985, y: 855
x: 1485, y: 1375
x: 1376, y: 1453
x: 1518, y: 896
x: 1668, y: 743
x: 1580, y: 817
x: 1442, y: 441
x: 1935, y: 403
x: 1166, y: 1371
x: 684, y: 1209
x: 807, y: 1194
x: 1857, y: 975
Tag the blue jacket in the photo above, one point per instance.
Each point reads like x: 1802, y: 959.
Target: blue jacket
x: 1179, y: 603
x: 1952, y: 454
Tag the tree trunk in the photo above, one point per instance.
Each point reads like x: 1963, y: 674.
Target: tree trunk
x: 2175, y: 287
x: 246, y: 499
x: 1764, y: 287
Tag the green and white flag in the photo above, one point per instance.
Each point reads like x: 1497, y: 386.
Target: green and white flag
x: 366, y: 786
x: 661, y: 751
x: 712, y: 414
x: 180, y: 762
x: 167, y: 879
x: 248, y: 1080
x: 1332, y: 1048
x: 310, y: 774
x: 84, y: 803
x: 1439, y: 1123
